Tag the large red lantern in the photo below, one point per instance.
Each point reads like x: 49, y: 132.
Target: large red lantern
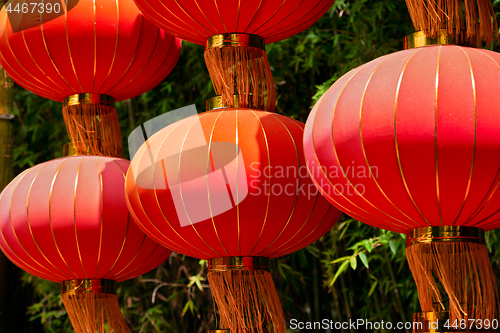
x: 230, y: 186
x: 409, y: 143
x: 67, y: 221
x: 235, y: 33
x: 96, y: 53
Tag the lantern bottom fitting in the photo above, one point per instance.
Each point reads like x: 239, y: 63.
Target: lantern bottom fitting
x: 235, y: 40
x: 217, y: 103
x: 88, y: 286
x: 419, y: 39
x: 435, y: 322
x: 89, y: 98
x: 445, y: 234
x: 219, y: 331
x: 224, y: 264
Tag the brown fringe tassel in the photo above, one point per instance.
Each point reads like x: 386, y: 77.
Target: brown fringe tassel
x: 468, y: 21
x: 465, y: 275
x: 247, y: 301
x: 95, y: 313
x: 94, y: 129
x: 242, y: 71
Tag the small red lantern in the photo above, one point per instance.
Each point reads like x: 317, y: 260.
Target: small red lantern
x: 67, y: 221
x: 230, y: 186
x: 96, y: 53
x: 409, y: 143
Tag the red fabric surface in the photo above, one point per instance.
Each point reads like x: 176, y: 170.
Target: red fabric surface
x: 109, y: 48
x: 67, y: 219
x: 426, y: 121
x: 194, y: 20
x: 228, y: 183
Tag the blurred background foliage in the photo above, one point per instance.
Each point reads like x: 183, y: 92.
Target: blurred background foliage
x: 354, y: 271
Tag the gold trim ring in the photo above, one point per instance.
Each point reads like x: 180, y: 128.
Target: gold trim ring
x: 89, y: 98
x: 445, y: 234
x: 88, y: 286
x: 217, y: 103
x: 219, y: 331
x: 224, y: 264
x: 235, y: 39
x: 419, y: 39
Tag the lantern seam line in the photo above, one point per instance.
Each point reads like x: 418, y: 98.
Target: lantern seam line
x: 342, y: 169
x: 237, y: 15
x: 192, y: 19
x: 220, y: 16
x: 50, y: 56
x: 473, y: 82
x: 15, y: 235
x: 69, y: 50
x: 145, y: 64
x: 308, y: 217
x: 131, y: 273
x: 396, y: 100
x: 20, y: 78
x: 206, y: 18
x: 208, y: 183
x: 21, y: 176
x: 132, y: 61
x: 290, y: 216
x: 253, y: 17
x: 126, y: 228
x: 269, y: 165
x: 34, y: 61
x: 277, y: 36
x: 117, y: 275
x: 496, y: 177
x: 276, y: 22
x: 363, y: 145
x: 50, y: 217
x: 74, y: 215
x: 323, y: 172
x: 180, y: 185
x: 29, y: 224
x: 43, y: 84
x: 102, y: 216
x: 270, y: 17
x: 158, y: 203
x: 155, y: 82
x: 116, y: 45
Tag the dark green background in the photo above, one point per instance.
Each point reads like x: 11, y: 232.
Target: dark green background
x: 304, y: 66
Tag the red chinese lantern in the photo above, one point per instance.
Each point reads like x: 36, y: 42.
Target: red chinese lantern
x: 67, y: 221
x: 235, y: 33
x: 96, y: 53
x: 230, y: 186
x: 408, y: 143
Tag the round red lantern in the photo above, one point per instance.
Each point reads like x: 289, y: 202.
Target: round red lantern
x: 408, y: 143
x: 230, y: 186
x: 96, y: 53
x: 195, y: 21
x: 235, y: 33
x: 67, y: 221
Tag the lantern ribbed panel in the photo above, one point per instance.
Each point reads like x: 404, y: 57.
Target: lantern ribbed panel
x: 194, y: 21
x: 101, y: 46
x: 426, y: 123
x: 257, y: 223
x: 67, y: 219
